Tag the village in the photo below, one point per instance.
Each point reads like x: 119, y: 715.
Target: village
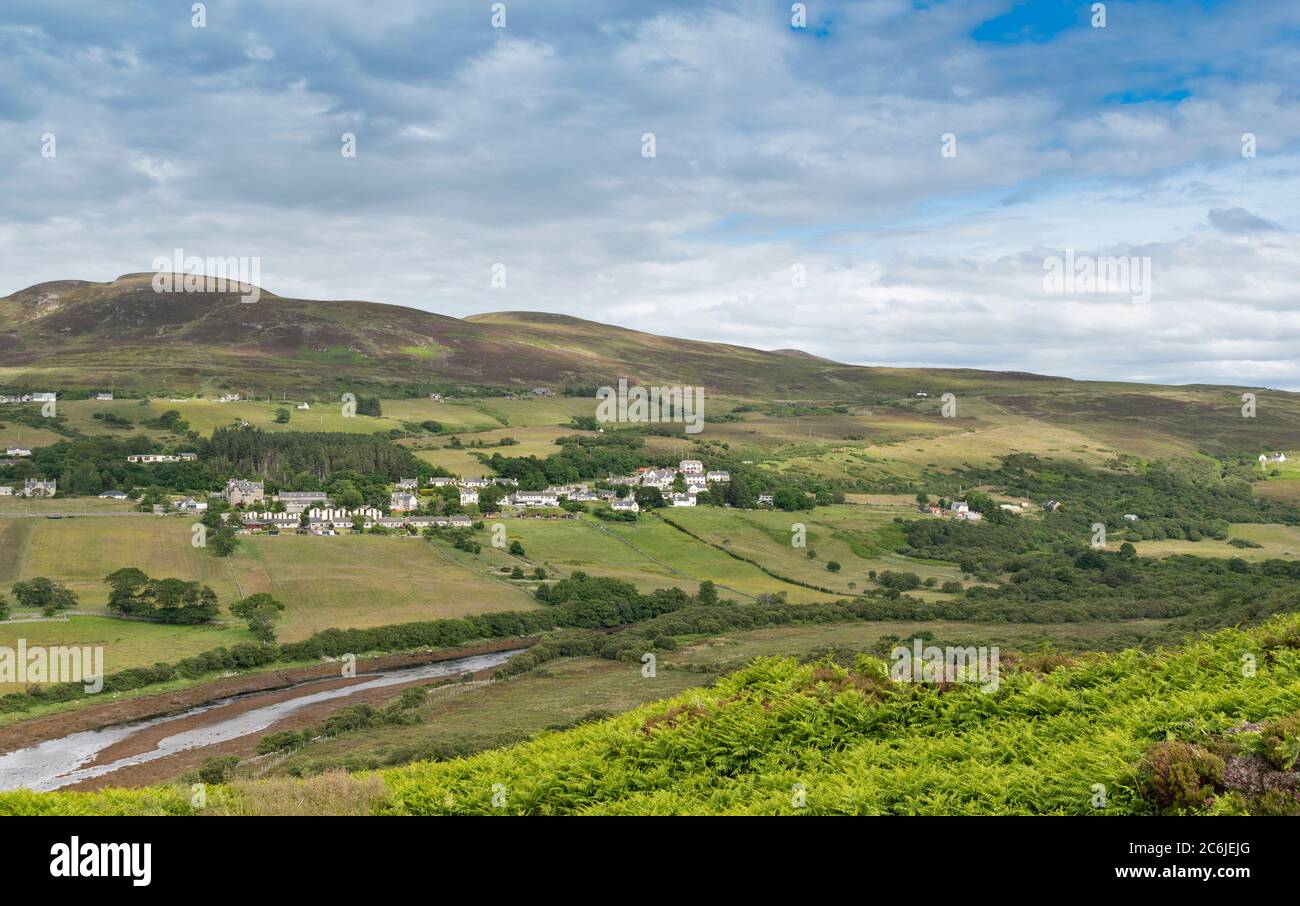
x: 314, y: 513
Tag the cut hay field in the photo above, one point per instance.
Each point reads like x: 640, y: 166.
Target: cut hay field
x: 22, y: 506
x: 859, y: 538
x: 126, y: 643
x: 347, y: 581
x: 81, y: 552
x: 699, y: 560
x: 643, y: 554
x: 205, y: 416
x: 14, y: 434
x: 365, y: 580
x: 1276, y: 542
x: 14, y: 535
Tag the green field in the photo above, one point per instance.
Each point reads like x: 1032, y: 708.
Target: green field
x: 537, y: 441
x: 343, y: 581
x: 81, y: 552
x: 58, y: 506
x: 14, y: 434
x: 366, y: 580
x: 1276, y: 541
x: 126, y: 643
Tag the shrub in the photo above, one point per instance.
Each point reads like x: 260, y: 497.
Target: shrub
x: 1178, y: 776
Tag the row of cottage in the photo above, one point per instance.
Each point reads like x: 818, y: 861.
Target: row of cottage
x: 326, y: 521
x: 405, y: 499
x: 33, y: 487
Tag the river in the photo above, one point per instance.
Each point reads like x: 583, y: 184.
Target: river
x: 60, y: 762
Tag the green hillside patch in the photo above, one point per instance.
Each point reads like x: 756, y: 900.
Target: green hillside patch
x: 780, y: 737
x: 859, y: 744
x: 126, y: 643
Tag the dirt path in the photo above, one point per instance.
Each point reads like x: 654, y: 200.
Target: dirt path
x: 53, y: 726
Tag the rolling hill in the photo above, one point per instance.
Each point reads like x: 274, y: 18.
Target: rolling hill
x: 74, y: 334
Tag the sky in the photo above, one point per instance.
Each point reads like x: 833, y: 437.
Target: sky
x: 882, y: 182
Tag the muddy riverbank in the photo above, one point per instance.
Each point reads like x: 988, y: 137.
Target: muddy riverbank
x: 25, y: 733
x: 159, y: 747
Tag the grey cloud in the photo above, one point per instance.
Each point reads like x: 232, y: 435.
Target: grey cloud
x: 1238, y: 221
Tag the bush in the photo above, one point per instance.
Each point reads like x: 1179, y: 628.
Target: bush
x: 1178, y: 776
x: 218, y: 768
x: 1280, y: 741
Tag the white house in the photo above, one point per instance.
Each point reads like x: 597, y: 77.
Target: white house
x: 719, y: 476
x: 441, y: 481
x: 342, y: 515
x: 468, y: 496
x: 765, y: 498
x: 682, y: 499
x: 695, y: 482
x: 17, y: 451
x: 626, y: 504
x: 259, y: 521
x: 228, y: 398
x: 659, y: 478
x: 303, y: 407
x: 402, y: 501
x: 103, y: 397
x: 475, y: 482
x: 408, y: 484
x: 297, y: 501
x: 691, y: 466
x: 959, y: 506
x: 390, y: 522
x: 532, y: 498
x: 34, y: 487
x: 39, y: 397
x: 6, y: 491
x: 190, y: 505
